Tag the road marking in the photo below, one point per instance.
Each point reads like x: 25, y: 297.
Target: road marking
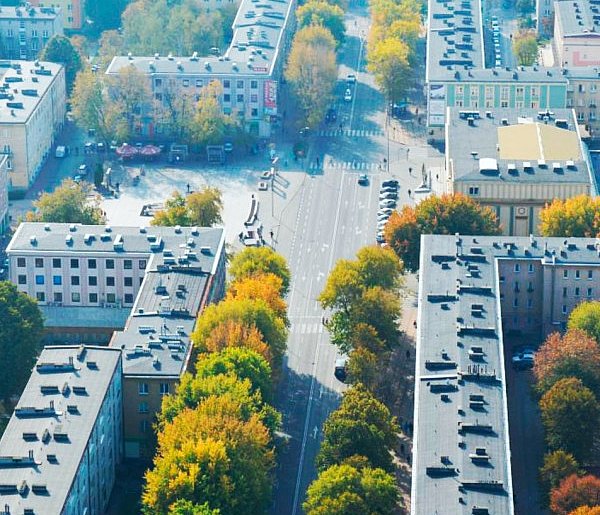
x: 315, y: 432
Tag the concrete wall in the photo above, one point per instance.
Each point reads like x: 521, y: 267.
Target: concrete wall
x: 73, y: 11
x: 25, y: 37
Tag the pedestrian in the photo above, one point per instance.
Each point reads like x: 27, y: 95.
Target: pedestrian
x: 188, y: 187
x: 409, y: 170
x: 318, y: 161
x: 415, y: 324
x: 407, y: 152
x: 271, y: 233
x: 241, y: 236
x: 409, y: 192
x: 417, y: 111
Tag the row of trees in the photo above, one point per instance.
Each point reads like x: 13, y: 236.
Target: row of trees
x: 392, y: 45
x: 567, y: 374
x: 574, y: 217
x: 216, y: 433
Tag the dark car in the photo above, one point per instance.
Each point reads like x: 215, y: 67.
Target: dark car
x: 331, y: 115
x: 392, y: 182
x: 363, y: 179
x: 340, y: 369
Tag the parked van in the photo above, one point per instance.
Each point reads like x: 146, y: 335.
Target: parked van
x: 61, y: 151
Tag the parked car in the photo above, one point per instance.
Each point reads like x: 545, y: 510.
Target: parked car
x: 380, y: 237
x: 348, y: 95
x: 61, y: 151
x: 351, y: 78
x: 331, y: 115
x: 385, y: 210
x: 388, y: 202
x: 388, y: 195
x: 523, y: 358
x: 228, y: 147
x: 383, y: 216
x: 363, y: 179
x: 390, y: 182
x: 340, y: 371
x: 82, y: 170
x: 388, y: 189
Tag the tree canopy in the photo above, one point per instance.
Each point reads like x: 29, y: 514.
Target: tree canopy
x: 200, y: 208
x: 446, y: 214
x: 20, y: 337
x: 59, y: 49
x: 344, y: 490
x: 267, y: 287
x: 260, y: 260
x: 183, y: 507
x: 525, y: 47
x: 557, y: 466
x: 586, y: 316
x: 361, y: 426
x: 390, y: 64
x: 576, y: 216
x: 575, y: 354
x: 320, y: 12
x: 570, y: 416
x: 574, y: 492
x: 231, y: 333
x: 586, y: 510
x: 68, y: 203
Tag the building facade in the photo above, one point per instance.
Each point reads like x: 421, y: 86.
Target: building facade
x: 4, y: 219
x: 32, y: 113
x: 583, y: 96
x: 477, y: 295
x: 516, y: 162
x: 249, y: 73
x: 73, y: 11
x: 59, y: 452
x: 24, y: 31
x: 577, y: 33
x: 544, y: 15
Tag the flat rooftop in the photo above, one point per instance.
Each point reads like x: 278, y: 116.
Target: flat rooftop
x: 28, y: 13
x: 461, y: 453
x: 47, y: 435
x: 257, y: 33
x: 22, y: 86
x: 524, y: 145
x: 578, y: 18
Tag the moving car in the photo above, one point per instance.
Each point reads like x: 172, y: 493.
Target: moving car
x: 348, y: 95
x: 363, y: 179
x: 523, y: 358
x: 351, y: 78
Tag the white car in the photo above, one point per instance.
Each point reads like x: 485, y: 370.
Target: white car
x: 386, y: 210
x: 388, y: 202
x: 383, y: 216
x: 348, y: 95
x: 388, y: 195
x: 351, y: 78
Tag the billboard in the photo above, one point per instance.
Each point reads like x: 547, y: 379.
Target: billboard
x: 270, y: 97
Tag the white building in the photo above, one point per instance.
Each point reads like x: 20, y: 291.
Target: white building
x: 59, y: 453
x: 32, y: 113
x: 3, y: 194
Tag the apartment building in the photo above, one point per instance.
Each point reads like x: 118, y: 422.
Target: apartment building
x: 73, y: 11
x: 32, y: 113
x: 583, y: 95
x: 4, y: 220
x: 517, y: 161
x: 544, y: 16
x: 476, y: 294
x: 249, y: 72
x: 59, y: 452
x: 577, y: 33
x: 25, y: 30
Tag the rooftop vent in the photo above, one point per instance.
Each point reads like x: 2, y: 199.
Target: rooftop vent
x: 69, y: 239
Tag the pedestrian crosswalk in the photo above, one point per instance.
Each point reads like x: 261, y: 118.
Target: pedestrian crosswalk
x: 351, y: 133
x: 308, y: 328
x: 346, y: 165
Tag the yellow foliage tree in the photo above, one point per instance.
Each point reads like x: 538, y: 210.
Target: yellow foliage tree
x: 262, y: 286
x: 389, y: 62
x: 574, y: 217
x: 237, y: 334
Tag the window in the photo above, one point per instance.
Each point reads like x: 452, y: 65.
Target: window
x: 157, y: 83
x: 110, y: 281
x: 128, y: 264
x: 226, y: 97
x: 240, y: 98
x: 517, y: 287
x: 111, y: 298
x: 239, y: 84
x: 22, y: 279
x: 517, y: 267
x: 253, y: 84
x: 39, y: 263
x: 143, y: 388
x: 516, y: 303
x: 143, y: 407
x: 254, y: 98
x: 164, y: 388
x: 143, y: 426
x: 21, y: 262
x: 564, y: 292
x: 110, y: 264
x: 75, y: 297
x: 577, y: 292
x: 530, y: 268
x: 186, y: 83
x: 473, y: 190
x: 57, y: 296
x: 158, y: 96
x: 199, y: 83
x: 589, y: 292
x: 590, y: 274
x: 502, y: 278
x: 93, y: 298
x: 74, y: 263
x: 128, y: 281
x: 57, y: 280
x: 577, y: 274
x: 226, y: 83
x: 74, y: 280
x: 564, y: 310
x: 142, y: 264
x: 520, y: 90
x: 40, y: 296
x: 39, y: 279
x: 92, y: 265
x: 128, y: 298
x: 529, y: 303
x: 56, y: 263
x: 565, y: 274
x: 460, y: 90
x: 92, y: 280
x: 254, y: 112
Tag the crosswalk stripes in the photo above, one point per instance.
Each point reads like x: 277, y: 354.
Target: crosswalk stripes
x: 314, y: 328
x: 351, y: 133
x: 346, y: 165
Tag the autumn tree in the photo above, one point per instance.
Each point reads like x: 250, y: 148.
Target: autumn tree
x: 257, y: 261
x: 214, y: 454
x: 110, y: 44
x: 446, y: 214
x: 363, y: 368
x: 344, y: 490
x: 68, y: 203
x: 388, y: 60
x: 320, y: 12
x: 574, y: 492
x: 557, y: 466
x: 312, y: 71
x: 59, y: 49
x: 235, y: 334
x: 575, y: 354
x: 574, y: 217
x: 267, y: 287
x: 361, y: 426
x: 570, y: 416
x: 586, y: 510
x: 20, y: 338
x: 525, y: 47
x: 200, y: 208
x: 586, y: 317
x: 247, y: 312
x: 183, y: 507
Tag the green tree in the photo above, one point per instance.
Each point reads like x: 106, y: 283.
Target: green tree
x: 557, y: 466
x: 110, y: 45
x: 361, y: 426
x: 20, y: 336
x: 525, y: 7
x: 570, y: 416
x: 344, y: 490
x: 389, y: 62
x: 254, y: 261
x: 363, y: 367
x: 312, y: 71
x: 68, y: 203
x: 246, y: 312
x: 60, y: 50
x: 381, y: 310
x: 201, y: 208
x: 574, y: 217
x: 319, y: 12
x: 586, y: 316
x: 210, y: 125
x: 182, y: 507
x: 525, y: 47
x: 448, y: 214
